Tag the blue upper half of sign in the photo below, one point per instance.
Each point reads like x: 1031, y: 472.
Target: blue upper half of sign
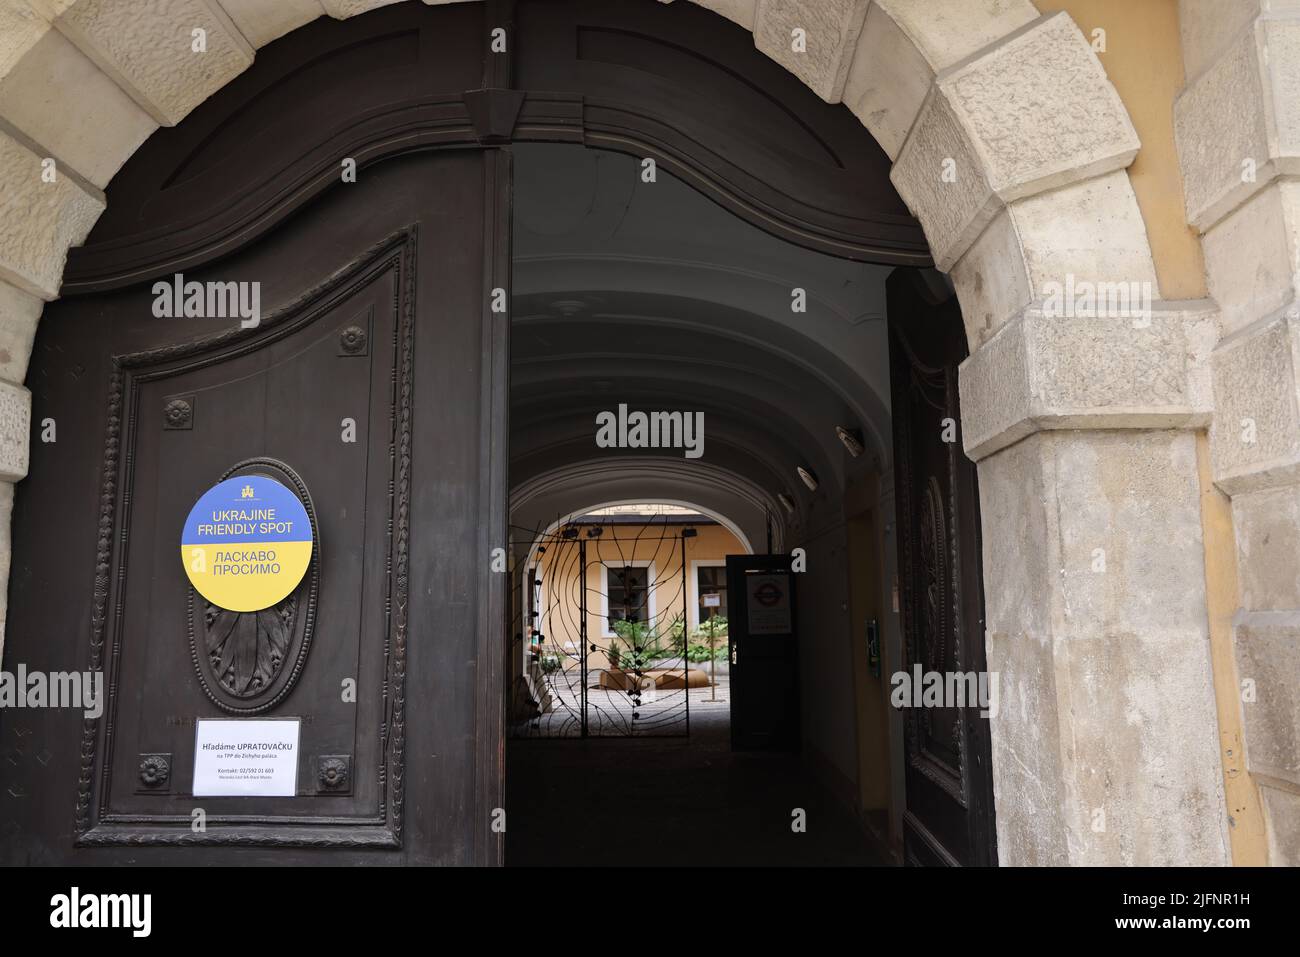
x: 247, y: 510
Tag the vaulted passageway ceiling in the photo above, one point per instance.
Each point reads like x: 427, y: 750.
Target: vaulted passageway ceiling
x: 650, y: 295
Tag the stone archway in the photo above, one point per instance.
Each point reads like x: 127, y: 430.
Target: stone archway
x: 1010, y: 145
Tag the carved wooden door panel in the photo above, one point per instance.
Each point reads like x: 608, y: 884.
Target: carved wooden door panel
x: 373, y: 389
x: 949, y: 816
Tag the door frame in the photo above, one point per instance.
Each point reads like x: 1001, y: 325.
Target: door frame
x: 964, y: 585
x: 738, y: 567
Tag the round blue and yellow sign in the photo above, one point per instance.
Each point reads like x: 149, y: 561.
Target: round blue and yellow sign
x: 247, y: 543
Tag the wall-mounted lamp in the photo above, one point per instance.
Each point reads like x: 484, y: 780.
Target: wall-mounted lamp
x: 808, y: 477
x: 851, y: 439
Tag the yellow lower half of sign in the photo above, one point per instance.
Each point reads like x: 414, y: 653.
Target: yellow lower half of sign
x: 246, y: 577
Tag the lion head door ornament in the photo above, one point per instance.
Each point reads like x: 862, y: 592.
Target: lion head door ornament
x: 251, y: 550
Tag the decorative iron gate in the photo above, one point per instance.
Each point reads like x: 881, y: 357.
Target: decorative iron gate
x: 603, y: 629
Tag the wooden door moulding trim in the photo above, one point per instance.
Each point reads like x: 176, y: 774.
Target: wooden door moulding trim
x: 101, y: 267
x: 96, y: 824
x: 210, y: 212
x: 541, y: 118
x: 493, y: 588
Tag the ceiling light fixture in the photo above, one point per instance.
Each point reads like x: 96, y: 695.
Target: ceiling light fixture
x: 851, y: 439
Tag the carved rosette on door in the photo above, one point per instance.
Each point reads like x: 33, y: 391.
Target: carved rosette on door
x: 248, y: 662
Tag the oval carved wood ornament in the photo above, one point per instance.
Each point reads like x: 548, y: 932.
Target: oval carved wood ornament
x: 248, y: 658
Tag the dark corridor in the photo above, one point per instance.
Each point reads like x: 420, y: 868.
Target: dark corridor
x: 671, y: 801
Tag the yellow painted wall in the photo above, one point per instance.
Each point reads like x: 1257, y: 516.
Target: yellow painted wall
x: 658, y: 543
x: 1144, y: 59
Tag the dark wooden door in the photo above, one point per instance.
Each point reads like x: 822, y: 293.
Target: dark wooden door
x: 949, y: 816
x: 764, y: 653
x: 374, y: 387
x: 377, y: 296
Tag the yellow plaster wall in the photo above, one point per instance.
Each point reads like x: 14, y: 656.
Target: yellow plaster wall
x: 1144, y: 59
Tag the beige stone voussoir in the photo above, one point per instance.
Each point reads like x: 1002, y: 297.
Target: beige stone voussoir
x: 21, y: 27
x: 15, y: 427
x: 1032, y: 113
x: 1252, y: 256
x: 1255, y: 438
x: 1145, y: 371
x: 1237, y: 126
x: 1282, y: 809
x: 19, y: 314
x: 64, y: 102
x: 148, y: 49
x: 830, y: 29
x: 1207, y: 27
x: 41, y: 219
x: 904, y: 43
x: 261, y: 22
x: 1267, y: 645
x: 1267, y: 523
x: 1087, y: 232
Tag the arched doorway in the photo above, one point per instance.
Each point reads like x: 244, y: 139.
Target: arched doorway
x: 196, y: 218
x: 635, y: 292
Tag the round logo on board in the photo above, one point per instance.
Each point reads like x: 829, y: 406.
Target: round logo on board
x: 247, y: 543
x: 768, y: 594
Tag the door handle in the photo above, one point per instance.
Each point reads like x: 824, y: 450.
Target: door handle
x: 734, y: 650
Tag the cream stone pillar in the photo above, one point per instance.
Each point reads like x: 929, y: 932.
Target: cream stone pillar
x: 1083, y: 428
x: 1238, y: 131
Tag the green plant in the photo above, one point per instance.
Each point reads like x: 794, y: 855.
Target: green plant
x: 549, y: 662
x: 677, y: 632
x: 635, y: 645
x: 698, y: 653
x: 708, y: 641
x: 715, y: 627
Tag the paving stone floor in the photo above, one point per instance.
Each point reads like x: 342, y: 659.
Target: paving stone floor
x: 671, y: 801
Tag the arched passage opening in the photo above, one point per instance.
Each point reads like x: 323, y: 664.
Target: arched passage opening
x: 1013, y: 102
x: 634, y: 293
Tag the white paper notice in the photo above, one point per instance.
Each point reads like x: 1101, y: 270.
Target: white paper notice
x: 246, y: 758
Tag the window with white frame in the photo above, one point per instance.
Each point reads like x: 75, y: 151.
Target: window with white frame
x: 708, y: 577
x: 628, y: 594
